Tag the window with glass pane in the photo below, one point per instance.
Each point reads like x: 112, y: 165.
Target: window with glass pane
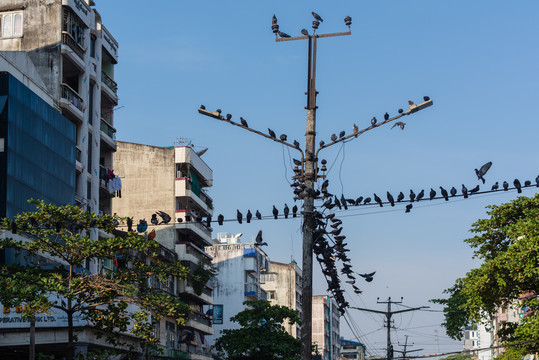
x: 7, y: 25
x: 17, y: 24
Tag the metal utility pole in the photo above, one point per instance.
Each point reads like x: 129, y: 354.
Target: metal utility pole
x: 404, y: 352
x: 309, y: 172
x: 388, y: 315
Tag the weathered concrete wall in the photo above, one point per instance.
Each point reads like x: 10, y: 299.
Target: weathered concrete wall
x: 147, y: 174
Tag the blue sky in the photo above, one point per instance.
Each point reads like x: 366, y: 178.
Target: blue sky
x: 476, y: 60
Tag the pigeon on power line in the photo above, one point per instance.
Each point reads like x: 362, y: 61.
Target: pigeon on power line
x: 518, y: 186
x: 296, y: 144
x: 358, y: 200
x: 409, y: 207
x: 412, y: 195
x: 444, y: 193
x: 432, y: 194
x: 317, y: 17
x: 474, y: 190
x: 220, y: 219
x: 537, y: 181
x: 283, y: 35
x: 258, y: 215
x: 322, y: 143
x: 249, y: 216
x: 400, y: 124
x: 271, y: 133
x: 386, y: 116
x: 420, y: 195
x: 342, y: 133
x: 355, y: 129
x: 286, y: 211
x: 367, y: 201
x: 373, y: 121
x: 390, y: 199
x: 464, y: 191
x: 426, y: 98
x: 527, y: 183
x: 295, y: 211
x: 338, y: 203
x: 482, y: 171
x: 505, y: 186
x: 275, y: 212
x: 495, y: 186
x: 239, y: 216
x: 400, y: 197
x: 243, y: 122
x: 378, y: 200
x: 333, y: 137
x: 166, y: 217
x: 282, y: 137
x: 296, y: 162
x: 154, y: 219
x: 343, y: 202
x: 453, y: 191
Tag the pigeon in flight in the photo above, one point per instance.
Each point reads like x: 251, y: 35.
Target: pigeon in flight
x: 275, y: 212
x: 482, y: 171
x: 420, y: 195
x: 373, y: 121
x: 453, y: 191
x: 258, y: 215
x: 518, y: 186
x: 444, y: 193
x: 386, y: 116
x: 400, y: 197
x: 305, y: 32
x: 390, y: 199
x: 378, y: 200
x: 271, y: 133
x: 400, y: 124
x: 249, y: 216
x: 464, y: 191
x: 220, y: 219
x: 432, y: 194
x: 474, y: 190
x: 317, y: 17
x: 286, y: 211
x: 409, y: 207
x: 243, y: 122
x: 282, y: 137
x: 495, y: 186
x: 283, y: 35
x: 505, y: 186
x: 239, y: 216
x: 412, y: 195
x: 367, y: 277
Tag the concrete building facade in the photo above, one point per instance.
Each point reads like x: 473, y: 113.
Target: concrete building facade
x: 65, y: 48
x: 326, y: 327
x: 172, y: 181
x: 239, y: 268
x: 282, y: 284
x: 352, y: 350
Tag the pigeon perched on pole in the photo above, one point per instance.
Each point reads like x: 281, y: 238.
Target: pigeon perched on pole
x: 317, y: 17
x: 283, y: 35
x: 305, y: 32
x: 482, y: 171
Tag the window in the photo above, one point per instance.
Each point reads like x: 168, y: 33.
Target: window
x: 11, y: 25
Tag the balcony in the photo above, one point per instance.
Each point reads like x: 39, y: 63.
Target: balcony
x: 186, y: 155
x: 201, y: 322
x: 72, y: 102
x: 108, y: 134
x: 110, y: 87
x: 183, y: 188
x: 196, y: 227
x: 206, y: 296
x: 70, y: 42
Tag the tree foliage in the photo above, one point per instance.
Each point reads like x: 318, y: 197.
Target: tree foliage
x: 262, y: 335
x: 59, y: 235
x: 508, y: 244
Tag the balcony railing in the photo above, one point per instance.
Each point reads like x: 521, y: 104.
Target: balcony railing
x: 71, y: 95
x: 70, y: 41
x: 206, y: 199
x: 108, y: 129
x: 107, y: 80
x: 200, y: 318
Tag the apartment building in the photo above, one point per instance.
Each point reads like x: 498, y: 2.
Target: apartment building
x: 352, y: 350
x: 65, y: 48
x: 167, y: 188
x: 326, y: 327
x: 282, y: 284
x: 240, y: 266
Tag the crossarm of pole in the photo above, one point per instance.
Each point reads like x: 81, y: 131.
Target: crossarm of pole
x: 411, y: 110
x: 218, y: 116
x: 410, y: 309
x: 369, y: 310
x: 277, y: 39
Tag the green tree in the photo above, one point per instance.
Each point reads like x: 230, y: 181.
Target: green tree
x: 60, y: 235
x: 262, y: 335
x: 508, y: 244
